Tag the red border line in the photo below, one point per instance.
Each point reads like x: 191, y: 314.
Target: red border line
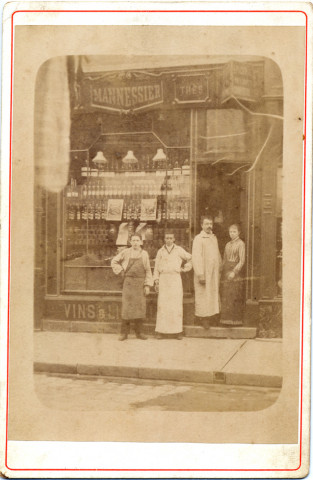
x: 303, y: 248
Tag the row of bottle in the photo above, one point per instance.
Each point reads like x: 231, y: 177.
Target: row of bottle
x: 107, y: 243
x: 173, y: 209
x: 121, y: 188
x: 178, y: 168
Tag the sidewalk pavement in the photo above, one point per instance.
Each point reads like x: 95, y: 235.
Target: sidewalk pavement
x: 255, y: 362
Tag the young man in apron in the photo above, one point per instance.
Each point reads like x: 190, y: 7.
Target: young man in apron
x: 168, y: 284
x: 134, y: 265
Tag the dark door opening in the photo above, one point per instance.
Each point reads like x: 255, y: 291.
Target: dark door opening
x: 220, y: 196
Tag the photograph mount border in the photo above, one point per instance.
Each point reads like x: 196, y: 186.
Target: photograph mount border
x: 302, y: 246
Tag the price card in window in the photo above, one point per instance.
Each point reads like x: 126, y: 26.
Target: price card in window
x: 115, y: 209
x: 148, y: 209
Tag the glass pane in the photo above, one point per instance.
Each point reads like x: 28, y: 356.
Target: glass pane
x: 137, y: 186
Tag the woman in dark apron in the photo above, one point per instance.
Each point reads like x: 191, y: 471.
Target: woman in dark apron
x: 134, y: 265
x: 232, y: 284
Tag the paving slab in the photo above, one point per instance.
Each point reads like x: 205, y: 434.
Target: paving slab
x: 257, y: 357
x: 193, y: 354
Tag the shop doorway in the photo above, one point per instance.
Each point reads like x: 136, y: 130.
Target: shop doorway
x: 221, y: 195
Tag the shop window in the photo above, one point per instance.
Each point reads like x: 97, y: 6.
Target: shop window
x: 126, y: 182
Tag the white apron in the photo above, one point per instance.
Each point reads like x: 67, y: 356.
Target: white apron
x: 170, y: 304
x: 206, y: 261
x: 168, y: 266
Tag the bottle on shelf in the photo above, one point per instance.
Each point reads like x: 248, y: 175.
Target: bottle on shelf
x: 69, y: 191
x: 159, y: 211
x: 125, y: 209
x: 78, y: 212
x: 84, y: 191
x: 97, y: 189
x: 97, y: 212
x: 146, y: 189
x: 84, y: 212
x: 186, y: 167
x: 114, y: 190
x: 129, y: 212
x: 134, y: 211
x: 91, y: 212
x: 170, y: 168
x: 164, y: 212
x: 185, y: 210
x: 70, y: 213
x: 181, y: 211
x: 119, y: 190
x: 93, y: 188
x: 142, y: 190
x: 94, y: 172
x: 147, y: 162
x: 138, y: 210
x: 109, y: 190
x: 103, y: 210
x: 177, y: 169
x: 72, y: 189
x: 89, y: 188
x: 127, y: 190
x: 85, y: 170
x: 170, y: 210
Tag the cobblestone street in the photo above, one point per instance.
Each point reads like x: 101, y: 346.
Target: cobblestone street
x: 94, y: 393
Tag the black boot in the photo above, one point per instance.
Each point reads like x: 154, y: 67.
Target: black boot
x: 138, y: 326
x: 125, y: 327
x: 206, y: 323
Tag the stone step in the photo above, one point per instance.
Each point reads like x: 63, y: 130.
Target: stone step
x: 114, y: 327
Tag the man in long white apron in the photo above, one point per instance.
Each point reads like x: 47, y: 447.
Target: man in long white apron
x: 170, y: 261
x: 207, y: 263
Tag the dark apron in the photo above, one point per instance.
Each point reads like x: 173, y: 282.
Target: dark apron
x: 232, y: 297
x: 133, y: 299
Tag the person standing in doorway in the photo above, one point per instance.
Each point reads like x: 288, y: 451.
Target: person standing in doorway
x: 232, y: 284
x: 170, y: 261
x: 134, y: 266
x: 206, y: 261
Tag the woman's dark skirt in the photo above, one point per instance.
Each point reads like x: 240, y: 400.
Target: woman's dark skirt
x: 232, y: 297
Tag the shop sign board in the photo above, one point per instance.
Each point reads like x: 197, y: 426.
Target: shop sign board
x: 191, y: 88
x: 127, y: 92
x: 243, y: 81
x: 124, y: 96
x: 96, y: 311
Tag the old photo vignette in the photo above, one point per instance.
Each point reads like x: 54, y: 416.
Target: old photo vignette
x: 136, y: 427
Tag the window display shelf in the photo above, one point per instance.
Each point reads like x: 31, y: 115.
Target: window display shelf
x: 103, y: 206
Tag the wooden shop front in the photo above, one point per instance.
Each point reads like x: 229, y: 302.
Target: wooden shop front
x: 153, y: 149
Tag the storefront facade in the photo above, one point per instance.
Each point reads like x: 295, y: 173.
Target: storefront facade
x: 156, y: 149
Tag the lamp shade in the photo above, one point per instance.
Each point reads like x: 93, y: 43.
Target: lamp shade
x: 159, y: 156
x: 130, y: 157
x: 100, y: 159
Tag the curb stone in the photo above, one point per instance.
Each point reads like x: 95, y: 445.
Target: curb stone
x: 196, y: 376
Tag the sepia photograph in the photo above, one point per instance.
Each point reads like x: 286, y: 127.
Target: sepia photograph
x: 157, y: 312
x: 162, y: 222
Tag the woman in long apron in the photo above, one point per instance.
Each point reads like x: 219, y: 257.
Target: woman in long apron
x: 168, y: 284
x: 232, y: 282
x: 134, y: 265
